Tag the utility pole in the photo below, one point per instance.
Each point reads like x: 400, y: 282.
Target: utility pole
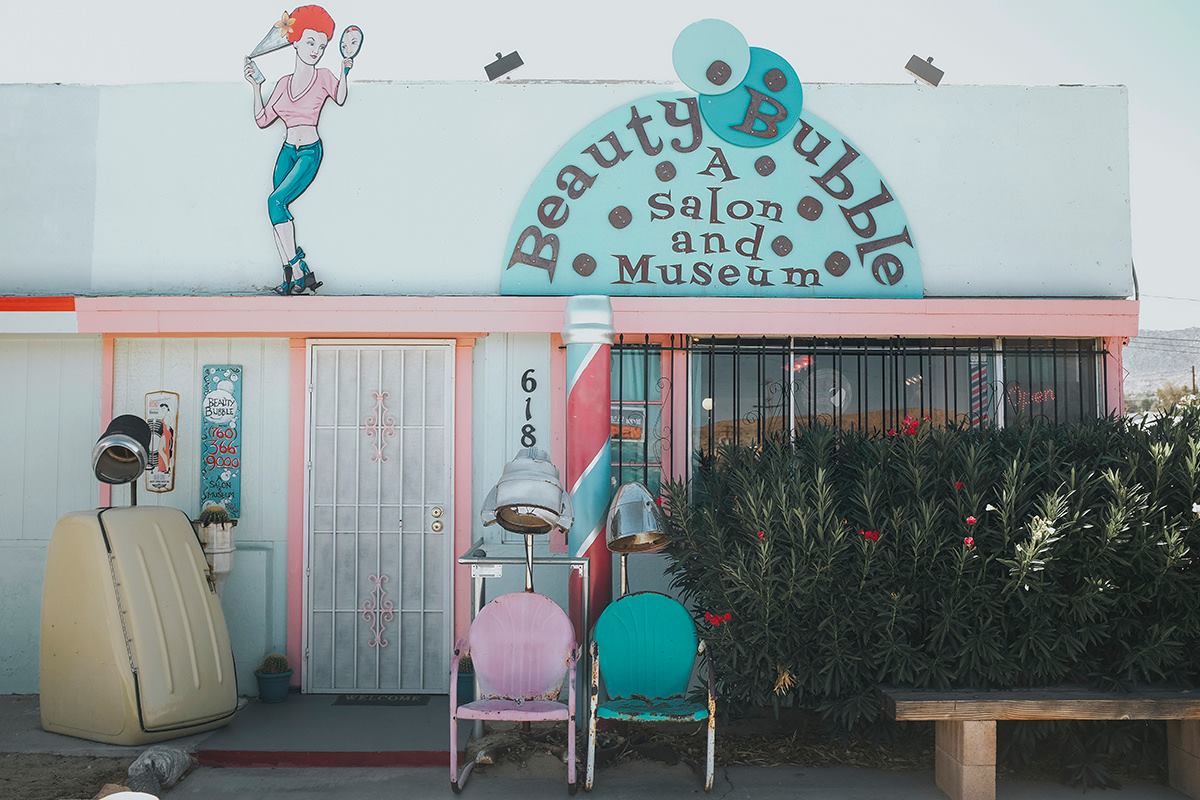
x: 1193, y: 378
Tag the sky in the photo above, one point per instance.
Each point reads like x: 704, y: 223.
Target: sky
x: 1149, y: 46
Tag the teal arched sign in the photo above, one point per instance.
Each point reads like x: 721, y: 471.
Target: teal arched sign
x: 651, y: 200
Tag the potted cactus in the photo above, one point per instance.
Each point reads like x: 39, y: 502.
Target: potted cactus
x: 274, y: 674
x: 216, y: 536
x: 466, y: 681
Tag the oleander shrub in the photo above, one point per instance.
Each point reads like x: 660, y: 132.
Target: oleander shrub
x: 827, y: 566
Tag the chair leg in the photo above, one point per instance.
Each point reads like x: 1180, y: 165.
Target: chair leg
x: 461, y: 782
x: 572, y: 784
x: 454, y: 755
x: 710, y: 759
x: 457, y: 780
x: 593, y: 702
x: 590, y: 775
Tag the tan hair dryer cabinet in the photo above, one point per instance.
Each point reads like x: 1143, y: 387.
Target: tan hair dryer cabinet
x: 134, y: 647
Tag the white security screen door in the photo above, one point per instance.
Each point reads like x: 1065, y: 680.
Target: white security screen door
x: 379, y: 517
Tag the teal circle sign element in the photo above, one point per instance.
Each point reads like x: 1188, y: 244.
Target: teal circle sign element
x: 762, y: 109
x: 711, y: 56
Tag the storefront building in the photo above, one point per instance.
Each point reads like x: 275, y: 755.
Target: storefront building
x: 960, y: 254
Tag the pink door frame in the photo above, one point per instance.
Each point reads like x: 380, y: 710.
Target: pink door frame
x: 459, y: 589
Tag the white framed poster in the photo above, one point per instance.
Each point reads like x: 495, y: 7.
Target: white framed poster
x: 162, y: 414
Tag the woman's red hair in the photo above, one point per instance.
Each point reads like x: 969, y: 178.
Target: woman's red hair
x: 312, y: 18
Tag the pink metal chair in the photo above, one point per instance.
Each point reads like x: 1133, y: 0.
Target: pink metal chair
x: 520, y: 645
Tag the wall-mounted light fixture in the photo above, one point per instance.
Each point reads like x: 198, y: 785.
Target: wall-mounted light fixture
x: 503, y: 65
x: 121, y: 453
x: 924, y: 70
x: 529, y: 499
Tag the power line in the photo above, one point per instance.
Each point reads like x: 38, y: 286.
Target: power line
x: 1172, y: 297
x: 1187, y: 348
x: 1163, y: 346
x: 1165, y: 338
x: 1166, y: 350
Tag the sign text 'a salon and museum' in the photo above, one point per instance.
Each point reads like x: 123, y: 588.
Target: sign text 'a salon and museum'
x: 733, y: 193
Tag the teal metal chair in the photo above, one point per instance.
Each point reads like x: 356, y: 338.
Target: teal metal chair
x: 644, y: 647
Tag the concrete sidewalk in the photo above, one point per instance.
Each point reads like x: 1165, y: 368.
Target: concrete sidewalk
x: 633, y: 781
x: 21, y: 732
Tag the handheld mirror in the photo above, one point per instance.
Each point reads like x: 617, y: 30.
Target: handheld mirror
x: 352, y: 38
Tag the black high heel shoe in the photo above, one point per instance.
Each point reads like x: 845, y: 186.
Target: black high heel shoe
x: 289, y: 286
x: 308, y: 281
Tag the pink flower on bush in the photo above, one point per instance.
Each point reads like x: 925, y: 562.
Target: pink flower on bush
x: 958, y: 486
x: 716, y: 619
x: 762, y: 535
x: 971, y: 520
x: 969, y: 541
x: 870, y: 536
x: 911, y: 425
x: 658, y: 501
x: 891, y: 432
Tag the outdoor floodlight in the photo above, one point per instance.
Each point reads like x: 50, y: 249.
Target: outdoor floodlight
x: 924, y: 70
x: 635, y: 525
x: 122, y: 452
x: 529, y: 499
x: 503, y: 65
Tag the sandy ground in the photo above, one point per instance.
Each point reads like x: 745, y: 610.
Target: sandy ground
x: 41, y: 776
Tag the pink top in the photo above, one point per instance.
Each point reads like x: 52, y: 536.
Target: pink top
x: 302, y: 110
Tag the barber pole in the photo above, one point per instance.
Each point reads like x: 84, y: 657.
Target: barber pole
x: 588, y: 335
x: 979, y: 390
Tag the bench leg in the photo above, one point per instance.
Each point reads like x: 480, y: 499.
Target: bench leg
x: 1183, y: 756
x: 965, y: 760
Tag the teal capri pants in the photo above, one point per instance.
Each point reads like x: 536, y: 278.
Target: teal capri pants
x: 295, y: 169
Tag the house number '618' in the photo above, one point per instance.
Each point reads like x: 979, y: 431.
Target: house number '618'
x: 528, y: 431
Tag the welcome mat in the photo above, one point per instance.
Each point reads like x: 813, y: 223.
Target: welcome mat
x: 382, y: 700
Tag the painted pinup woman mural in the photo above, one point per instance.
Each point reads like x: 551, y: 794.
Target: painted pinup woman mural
x: 298, y: 100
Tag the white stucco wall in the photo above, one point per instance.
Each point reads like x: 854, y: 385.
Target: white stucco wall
x: 51, y: 409
x: 255, y: 595
x: 1020, y: 191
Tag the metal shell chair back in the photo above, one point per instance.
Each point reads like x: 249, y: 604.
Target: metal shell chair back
x: 644, y: 647
x: 648, y: 643
x: 520, y: 644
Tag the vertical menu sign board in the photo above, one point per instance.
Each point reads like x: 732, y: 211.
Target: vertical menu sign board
x: 221, y: 437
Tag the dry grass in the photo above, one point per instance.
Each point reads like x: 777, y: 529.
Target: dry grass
x: 40, y: 776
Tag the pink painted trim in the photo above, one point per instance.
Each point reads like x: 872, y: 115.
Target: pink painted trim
x: 409, y: 316
x: 322, y: 758
x: 1115, y: 365
x: 460, y: 580
x: 558, y: 421
x: 108, y: 357
x: 985, y: 317
x: 297, y: 435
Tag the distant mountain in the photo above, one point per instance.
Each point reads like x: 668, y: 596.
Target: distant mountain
x: 1154, y: 358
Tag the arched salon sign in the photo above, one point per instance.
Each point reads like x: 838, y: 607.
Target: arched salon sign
x: 729, y: 192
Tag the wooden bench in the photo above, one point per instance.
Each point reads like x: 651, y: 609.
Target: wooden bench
x: 965, y: 739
